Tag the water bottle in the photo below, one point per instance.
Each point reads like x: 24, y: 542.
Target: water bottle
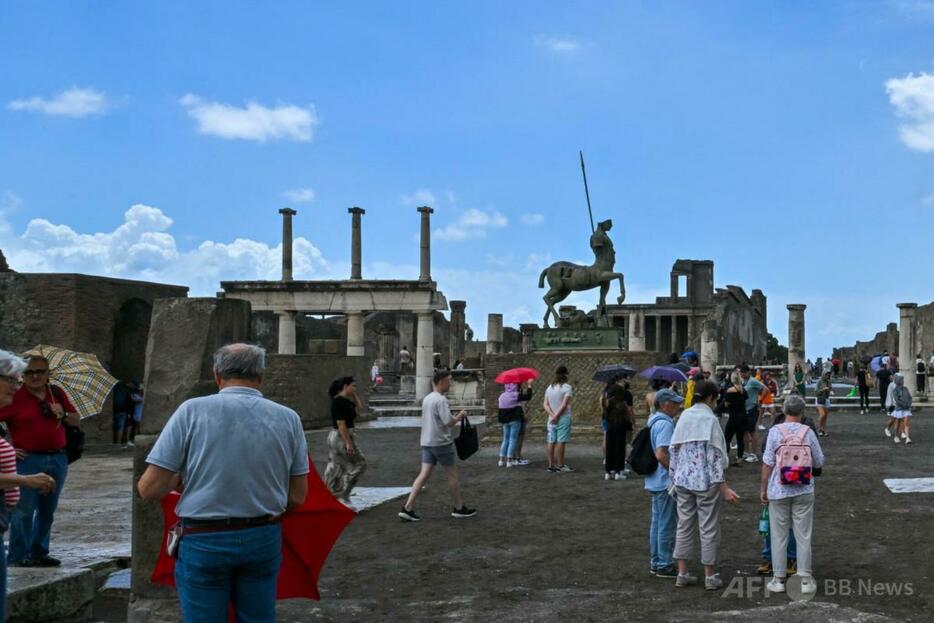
x: 764, y: 521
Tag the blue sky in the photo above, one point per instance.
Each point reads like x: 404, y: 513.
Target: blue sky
x: 791, y: 143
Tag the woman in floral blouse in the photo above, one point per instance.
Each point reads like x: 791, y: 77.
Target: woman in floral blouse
x: 698, y: 459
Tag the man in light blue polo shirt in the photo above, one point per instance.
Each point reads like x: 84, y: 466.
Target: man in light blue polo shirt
x: 664, y: 510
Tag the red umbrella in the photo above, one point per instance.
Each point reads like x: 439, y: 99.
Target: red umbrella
x: 308, y: 534
x: 517, y: 375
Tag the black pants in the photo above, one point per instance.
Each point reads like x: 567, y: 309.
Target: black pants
x: 863, y: 397
x: 883, y: 390
x: 616, y: 447
x: 736, y: 425
x: 920, y: 379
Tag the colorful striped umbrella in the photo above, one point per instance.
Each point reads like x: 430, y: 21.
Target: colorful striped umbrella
x: 81, y: 375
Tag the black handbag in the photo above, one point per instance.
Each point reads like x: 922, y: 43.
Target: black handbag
x: 468, y: 442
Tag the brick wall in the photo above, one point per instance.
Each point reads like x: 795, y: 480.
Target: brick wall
x: 581, y: 366
x: 301, y: 382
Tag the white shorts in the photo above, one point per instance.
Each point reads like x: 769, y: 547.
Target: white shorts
x: 899, y: 414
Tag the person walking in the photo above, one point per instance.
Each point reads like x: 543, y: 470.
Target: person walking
x: 137, y: 395
x: 863, y: 383
x: 510, y: 416
x: 345, y: 461
x: 754, y: 388
x: 734, y: 402
x: 883, y: 380
x: 696, y: 467
x: 122, y: 413
x: 901, y: 401
x: 11, y: 372
x: 792, y: 452
x: 921, y: 374
x: 620, y: 422
x: 824, y: 391
x: 800, y: 381
x: 557, y: 405
x: 244, y: 460
x: 664, y: 518
x: 35, y: 419
x: 437, y: 443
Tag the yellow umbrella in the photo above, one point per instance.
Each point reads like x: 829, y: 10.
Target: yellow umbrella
x: 81, y: 375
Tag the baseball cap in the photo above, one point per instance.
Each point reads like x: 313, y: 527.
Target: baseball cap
x: 668, y: 395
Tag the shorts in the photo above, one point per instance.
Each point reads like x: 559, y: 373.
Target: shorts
x: 120, y: 421
x: 900, y: 414
x: 752, y: 418
x: 432, y: 455
x: 825, y: 404
x: 560, y: 431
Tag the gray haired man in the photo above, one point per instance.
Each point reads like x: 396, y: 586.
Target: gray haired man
x: 242, y: 460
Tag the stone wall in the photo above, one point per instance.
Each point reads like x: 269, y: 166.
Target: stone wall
x: 740, y: 322
x: 888, y: 339
x: 581, y: 366
x: 301, y: 382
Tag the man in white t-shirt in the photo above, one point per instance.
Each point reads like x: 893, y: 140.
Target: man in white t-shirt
x: 557, y: 405
x: 437, y: 443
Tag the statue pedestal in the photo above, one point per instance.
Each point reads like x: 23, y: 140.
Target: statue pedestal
x: 578, y: 339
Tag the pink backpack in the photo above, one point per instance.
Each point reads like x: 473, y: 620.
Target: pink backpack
x: 793, y: 456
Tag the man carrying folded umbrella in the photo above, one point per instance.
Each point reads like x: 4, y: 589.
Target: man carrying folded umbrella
x: 35, y: 420
x: 244, y: 460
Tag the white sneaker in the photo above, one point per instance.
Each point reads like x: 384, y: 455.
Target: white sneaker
x: 509, y: 463
x: 897, y: 440
x: 620, y: 476
x: 808, y: 585
x: 775, y: 585
x: 500, y: 463
x: 888, y: 432
x: 751, y: 458
x: 904, y: 435
x: 907, y: 441
x: 608, y: 476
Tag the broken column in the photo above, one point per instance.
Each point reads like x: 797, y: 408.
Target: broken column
x: 287, y: 214
x: 183, y: 336
x: 356, y: 251
x: 528, y: 333
x: 425, y: 244
x: 286, y: 332
x: 355, y: 334
x: 637, y: 330
x: 424, y: 354
x: 456, y: 330
x: 795, y: 340
x: 907, y: 347
x: 494, y: 334
x: 710, y: 349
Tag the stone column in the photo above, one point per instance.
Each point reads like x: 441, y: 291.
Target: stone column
x: 637, y: 330
x: 425, y: 244
x: 355, y: 334
x: 709, y: 349
x: 286, y: 332
x: 356, y: 251
x: 527, y: 330
x: 424, y: 354
x: 907, y: 347
x: 287, y: 214
x: 494, y: 334
x: 456, y: 330
x: 674, y: 335
x: 796, y: 354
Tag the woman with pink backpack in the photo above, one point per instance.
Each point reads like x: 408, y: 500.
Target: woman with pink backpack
x: 792, y: 454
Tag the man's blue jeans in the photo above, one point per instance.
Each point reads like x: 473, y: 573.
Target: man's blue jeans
x: 662, y: 530
x: 239, y: 567
x: 510, y: 436
x: 31, y: 520
x: 792, y: 546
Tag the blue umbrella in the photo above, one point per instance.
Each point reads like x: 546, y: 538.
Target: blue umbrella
x: 689, y: 355
x: 664, y: 373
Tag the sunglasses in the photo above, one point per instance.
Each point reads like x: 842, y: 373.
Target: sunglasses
x: 35, y: 372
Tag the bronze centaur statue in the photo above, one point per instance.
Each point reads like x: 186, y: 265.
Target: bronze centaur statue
x: 566, y: 277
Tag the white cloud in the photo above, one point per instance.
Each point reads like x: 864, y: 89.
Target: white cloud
x: 471, y: 223
x: 300, y: 195
x: 558, y: 44
x: 421, y: 197
x: 532, y: 218
x: 913, y: 100
x: 73, y: 102
x: 142, y: 248
x: 254, y: 122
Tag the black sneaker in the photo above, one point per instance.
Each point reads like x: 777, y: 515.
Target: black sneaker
x: 408, y: 515
x: 463, y: 512
x: 48, y: 561
x: 553, y: 469
x: 670, y: 571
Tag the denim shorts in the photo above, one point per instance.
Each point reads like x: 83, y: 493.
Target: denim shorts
x: 560, y: 431
x: 752, y: 418
x: 432, y: 455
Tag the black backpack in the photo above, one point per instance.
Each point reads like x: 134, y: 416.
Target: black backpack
x: 642, y: 459
x: 74, y: 436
